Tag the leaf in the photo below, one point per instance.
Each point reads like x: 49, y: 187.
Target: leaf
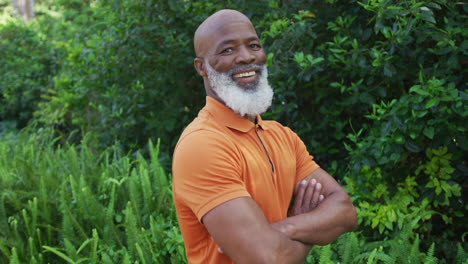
x: 58, y: 253
x: 270, y: 59
x: 429, y: 132
x: 386, y: 129
x: 433, y: 102
x: 426, y: 14
x: 316, y: 60
x: 412, y: 147
x: 299, y: 57
x: 417, y: 89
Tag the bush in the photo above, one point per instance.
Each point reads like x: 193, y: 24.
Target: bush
x: 409, y: 166
x: 71, y: 204
x: 28, y: 64
x: 374, y: 88
x: 387, y: 78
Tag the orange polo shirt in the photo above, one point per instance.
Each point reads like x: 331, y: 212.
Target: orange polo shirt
x: 221, y: 156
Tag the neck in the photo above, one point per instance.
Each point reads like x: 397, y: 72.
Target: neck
x: 251, y: 118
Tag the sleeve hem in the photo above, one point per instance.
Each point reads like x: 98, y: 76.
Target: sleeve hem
x: 306, y: 173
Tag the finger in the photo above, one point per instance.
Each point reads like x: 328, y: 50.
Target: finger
x: 321, y: 198
x: 297, y: 187
x: 309, y: 193
x: 316, y: 198
x: 299, y: 197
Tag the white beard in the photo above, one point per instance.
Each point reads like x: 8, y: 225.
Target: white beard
x: 251, y: 101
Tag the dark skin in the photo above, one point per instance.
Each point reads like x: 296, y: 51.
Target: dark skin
x: 322, y: 210
x: 227, y: 40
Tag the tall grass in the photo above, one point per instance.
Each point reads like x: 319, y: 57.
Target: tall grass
x: 69, y: 204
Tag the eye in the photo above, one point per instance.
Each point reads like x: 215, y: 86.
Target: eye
x: 227, y: 51
x: 255, y: 46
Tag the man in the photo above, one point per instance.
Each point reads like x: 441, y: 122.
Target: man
x: 234, y: 174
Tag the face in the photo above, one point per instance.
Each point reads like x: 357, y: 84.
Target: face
x: 232, y: 48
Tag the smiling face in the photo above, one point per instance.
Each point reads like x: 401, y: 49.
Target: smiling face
x: 228, y: 41
x: 231, y: 61
x: 237, y: 46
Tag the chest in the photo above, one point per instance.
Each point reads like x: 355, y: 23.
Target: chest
x: 269, y: 171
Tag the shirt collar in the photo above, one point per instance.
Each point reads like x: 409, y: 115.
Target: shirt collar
x: 229, y: 118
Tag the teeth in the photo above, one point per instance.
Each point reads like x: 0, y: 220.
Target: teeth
x: 244, y: 74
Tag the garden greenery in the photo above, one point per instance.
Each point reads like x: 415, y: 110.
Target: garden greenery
x: 375, y: 88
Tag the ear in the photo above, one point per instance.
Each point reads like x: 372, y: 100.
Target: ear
x: 199, y: 64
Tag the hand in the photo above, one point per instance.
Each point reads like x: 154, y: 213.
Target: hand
x: 307, y: 196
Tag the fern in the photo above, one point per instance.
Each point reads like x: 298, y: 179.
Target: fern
x: 45, y: 210
x: 59, y: 253
x: 94, y: 246
x: 348, y: 247
x: 33, y: 208
x: 14, y: 259
x: 70, y: 249
x: 430, y: 259
x: 370, y: 260
x: 131, y: 229
x: 145, y: 186
x: 32, y: 251
x: 325, y: 255
x: 461, y: 257
x: 414, y: 252
x: 135, y: 195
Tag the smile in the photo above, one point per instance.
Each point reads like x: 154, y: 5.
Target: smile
x: 244, y: 74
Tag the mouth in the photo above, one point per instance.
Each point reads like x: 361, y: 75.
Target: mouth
x: 244, y: 74
x: 246, y: 77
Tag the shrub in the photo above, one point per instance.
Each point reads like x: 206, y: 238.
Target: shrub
x: 374, y: 88
x: 28, y: 65
x: 71, y: 204
x: 409, y: 164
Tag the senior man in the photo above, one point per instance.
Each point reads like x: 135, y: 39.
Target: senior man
x: 235, y: 175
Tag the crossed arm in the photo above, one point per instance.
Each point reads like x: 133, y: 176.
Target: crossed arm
x: 322, y: 211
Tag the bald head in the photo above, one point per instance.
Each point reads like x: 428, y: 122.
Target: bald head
x: 203, y: 38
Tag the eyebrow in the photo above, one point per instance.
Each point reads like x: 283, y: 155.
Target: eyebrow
x: 230, y: 41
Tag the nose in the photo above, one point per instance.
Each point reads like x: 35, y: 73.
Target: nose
x: 244, y: 56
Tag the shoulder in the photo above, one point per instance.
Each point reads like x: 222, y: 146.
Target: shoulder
x: 275, y: 125
x: 280, y: 130
x: 202, y: 146
x: 202, y: 136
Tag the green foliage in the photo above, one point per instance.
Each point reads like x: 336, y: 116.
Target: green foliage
x: 375, y: 89
x: 71, y: 204
x: 334, y: 61
x: 404, y: 183
x: 135, y: 90
x: 402, y: 248
x: 28, y: 65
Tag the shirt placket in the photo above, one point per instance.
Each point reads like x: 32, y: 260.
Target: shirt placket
x: 264, y: 148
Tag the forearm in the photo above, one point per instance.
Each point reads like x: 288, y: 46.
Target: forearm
x: 333, y: 217
x: 273, y: 246
x: 287, y: 250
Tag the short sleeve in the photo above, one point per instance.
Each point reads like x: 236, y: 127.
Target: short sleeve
x: 206, y: 171
x: 305, y: 163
